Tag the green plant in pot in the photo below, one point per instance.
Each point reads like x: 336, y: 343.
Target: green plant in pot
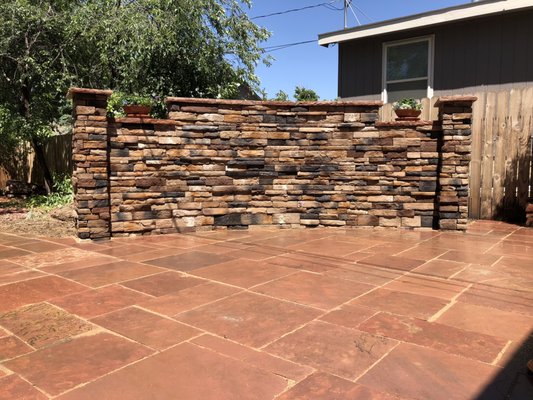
x: 131, y: 105
x: 407, y: 109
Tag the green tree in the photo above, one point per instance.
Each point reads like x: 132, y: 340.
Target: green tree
x: 303, y: 94
x: 199, y: 48
x: 281, y: 96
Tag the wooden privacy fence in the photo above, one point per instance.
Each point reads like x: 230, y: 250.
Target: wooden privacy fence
x: 501, y: 170
x: 58, y: 154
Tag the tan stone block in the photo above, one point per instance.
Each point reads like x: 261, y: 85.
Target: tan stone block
x: 412, y: 222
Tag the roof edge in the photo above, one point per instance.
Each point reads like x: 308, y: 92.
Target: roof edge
x: 435, y: 17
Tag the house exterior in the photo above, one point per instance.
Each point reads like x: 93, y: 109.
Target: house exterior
x: 480, y: 46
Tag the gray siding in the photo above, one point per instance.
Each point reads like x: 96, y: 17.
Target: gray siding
x: 490, y: 53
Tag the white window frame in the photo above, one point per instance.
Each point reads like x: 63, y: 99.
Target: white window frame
x: 431, y: 60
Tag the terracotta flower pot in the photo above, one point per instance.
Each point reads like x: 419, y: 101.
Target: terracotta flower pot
x: 134, y: 110
x: 408, y: 114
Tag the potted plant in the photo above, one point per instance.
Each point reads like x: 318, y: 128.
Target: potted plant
x: 131, y: 105
x: 407, y: 109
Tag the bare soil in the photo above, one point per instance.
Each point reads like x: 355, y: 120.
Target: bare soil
x: 15, y: 217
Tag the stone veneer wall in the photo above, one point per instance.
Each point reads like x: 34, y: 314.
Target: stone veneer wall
x: 529, y: 213
x: 221, y: 163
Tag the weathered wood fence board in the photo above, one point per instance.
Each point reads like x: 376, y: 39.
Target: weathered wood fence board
x: 501, y: 167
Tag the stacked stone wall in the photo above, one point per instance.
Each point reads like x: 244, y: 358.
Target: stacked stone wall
x: 237, y: 164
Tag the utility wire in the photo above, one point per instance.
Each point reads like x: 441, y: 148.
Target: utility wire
x: 284, y: 46
x: 327, y: 5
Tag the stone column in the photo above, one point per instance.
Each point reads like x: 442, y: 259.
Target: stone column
x: 455, y: 115
x: 90, y: 161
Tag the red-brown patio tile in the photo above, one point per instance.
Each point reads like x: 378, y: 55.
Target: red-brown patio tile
x: 150, y: 255
x: 326, y: 247
x: 13, y: 253
x: 43, y: 324
x: 22, y: 275
x: 512, y: 249
x: 490, y: 321
x: 146, y: 328
x: 422, y: 373
x: 94, y: 302
x: 306, y: 262
x: 90, y: 261
x: 321, y: 386
x: 125, y: 250
x: 257, y: 253
x: 189, y: 261
x: 188, y: 299
x: 36, y: 290
x: 184, y: 372
x: 330, y: 348
x: 40, y: 260
x: 182, y: 241
x: 258, y: 359
x: 163, y: 283
x: 504, y: 276
x: 402, y: 303
x: 392, y: 262
x: 364, y: 274
x: 248, y: 318
x: 61, y: 367
x: 389, y: 250
x: 243, y: 273
x: 422, y: 252
x: 471, y: 256
x: 499, y: 298
x: 11, y: 347
x: 314, y: 290
x: 7, y: 267
x: 12, y: 387
x: 348, y: 316
x: 426, y: 286
x: 40, y: 247
x: 221, y: 247
x: 105, y: 274
x: 437, y: 336
x: 440, y: 268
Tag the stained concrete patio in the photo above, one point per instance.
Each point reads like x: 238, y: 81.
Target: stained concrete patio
x: 284, y: 314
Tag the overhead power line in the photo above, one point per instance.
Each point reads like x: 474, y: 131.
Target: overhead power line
x: 328, y: 5
x: 284, y: 46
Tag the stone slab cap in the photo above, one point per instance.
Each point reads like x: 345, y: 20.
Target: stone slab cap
x: 152, y: 121
x: 454, y: 99
x: 75, y: 90
x: 399, y: 124
x: 357, y: 103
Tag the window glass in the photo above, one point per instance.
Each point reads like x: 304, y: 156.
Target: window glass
x: 414, y: 89
x: 407, y: 61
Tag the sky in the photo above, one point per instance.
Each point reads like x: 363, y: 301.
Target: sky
x: 311, y: 65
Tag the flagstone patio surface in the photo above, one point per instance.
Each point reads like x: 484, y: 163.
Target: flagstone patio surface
x: 269, y: 314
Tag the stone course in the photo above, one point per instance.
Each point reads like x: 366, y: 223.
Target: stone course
x: 236, y: 164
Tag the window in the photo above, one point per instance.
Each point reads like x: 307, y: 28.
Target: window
x: 408, y: 69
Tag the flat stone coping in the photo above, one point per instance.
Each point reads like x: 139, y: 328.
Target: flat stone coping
x: 455, y: 99
x: 151, y: 121
x: 76, y: 90
x: 358, y: 103
x: 407, y: 124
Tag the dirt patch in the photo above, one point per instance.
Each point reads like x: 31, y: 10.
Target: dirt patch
x: 15, y: 217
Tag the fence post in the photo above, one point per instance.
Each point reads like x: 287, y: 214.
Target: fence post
x: 90, y: 156
x: 455, y: 116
